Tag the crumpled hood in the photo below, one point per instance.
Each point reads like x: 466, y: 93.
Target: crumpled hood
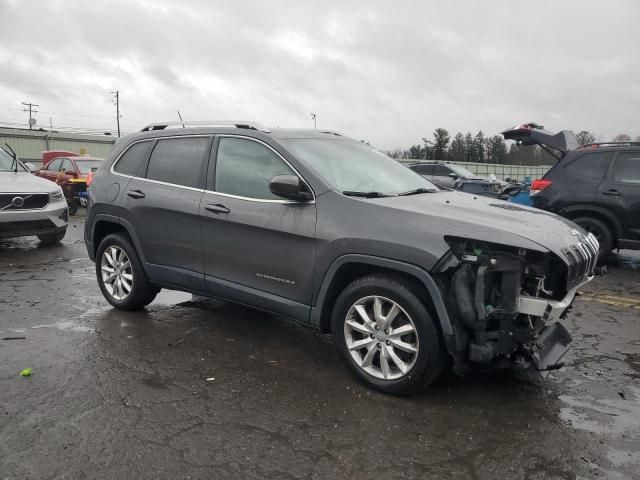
x: 483, y: 218
x: 23, y: 182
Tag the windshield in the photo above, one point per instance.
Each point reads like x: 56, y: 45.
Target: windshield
x: 462, y: 172
x: 350, y: 166
x: 85, y: 166
x: 7, y: 163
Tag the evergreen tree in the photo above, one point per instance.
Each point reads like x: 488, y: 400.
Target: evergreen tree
x: 479, y: 142
x: 496, y: 149
x: 457, y: 151
x: 469, y: 148
x: 440, y: 143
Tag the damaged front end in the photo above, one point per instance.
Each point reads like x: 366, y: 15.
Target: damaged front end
x: 506, y: 301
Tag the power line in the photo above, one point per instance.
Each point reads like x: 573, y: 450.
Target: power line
x: 32, y: 106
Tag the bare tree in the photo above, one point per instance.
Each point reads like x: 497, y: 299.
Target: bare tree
x: 622, y: 137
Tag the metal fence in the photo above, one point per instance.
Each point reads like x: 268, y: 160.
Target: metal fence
x: 515, y: 172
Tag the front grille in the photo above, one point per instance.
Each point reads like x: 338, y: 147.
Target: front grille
x: 582, y: 257
x: 23, y: 201
x: 27, y: 226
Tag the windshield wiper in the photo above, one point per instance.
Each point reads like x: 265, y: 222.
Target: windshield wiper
x: 417, y: 191
x: 351, y: 193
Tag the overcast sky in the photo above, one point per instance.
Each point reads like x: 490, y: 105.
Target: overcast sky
x: 388, y: 72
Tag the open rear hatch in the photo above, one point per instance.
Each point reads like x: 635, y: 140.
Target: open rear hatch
x: 533, y: 134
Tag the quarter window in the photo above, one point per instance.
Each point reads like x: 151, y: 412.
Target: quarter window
x: 592, y: 165
x: 245, y: 168
x: 178, y: 161
x: 130, y: 161
x: 627, y: 168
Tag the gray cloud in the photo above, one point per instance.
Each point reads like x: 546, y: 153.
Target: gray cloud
x: 382, y: 71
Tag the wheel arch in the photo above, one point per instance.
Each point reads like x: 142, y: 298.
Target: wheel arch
x: 349, y: 267
x: 104, y: 225
x: 575, y: 211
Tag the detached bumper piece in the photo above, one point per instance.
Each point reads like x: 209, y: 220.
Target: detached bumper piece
x: 550, y: 346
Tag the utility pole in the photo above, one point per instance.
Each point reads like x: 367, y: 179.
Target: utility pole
x: 314, y: 116
x: 117, y: 102
x: 32, y: 110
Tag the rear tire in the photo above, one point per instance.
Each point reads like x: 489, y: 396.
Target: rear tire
x: 601, y: 231
x: 413, y: 360
x: 120, y: 275
x: 48, y: 239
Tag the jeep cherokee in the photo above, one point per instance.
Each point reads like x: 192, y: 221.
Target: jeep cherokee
x: 326, y: 230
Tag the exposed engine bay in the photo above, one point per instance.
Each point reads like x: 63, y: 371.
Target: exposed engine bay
x: 505, y: 302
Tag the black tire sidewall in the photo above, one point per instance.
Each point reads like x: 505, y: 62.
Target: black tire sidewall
x: 430, y: 361
x: 142, y: 293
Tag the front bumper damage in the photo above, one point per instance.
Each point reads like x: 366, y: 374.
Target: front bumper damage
x: 507, y: 303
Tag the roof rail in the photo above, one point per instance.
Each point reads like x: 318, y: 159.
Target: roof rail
x: 610, y: 144
x: 207, y: 123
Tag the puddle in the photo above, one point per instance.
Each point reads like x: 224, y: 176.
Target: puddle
x: 608, y: 416
x: 67, y: 326
x: 173, y: 297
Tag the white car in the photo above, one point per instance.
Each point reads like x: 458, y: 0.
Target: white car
x: 30, y: 205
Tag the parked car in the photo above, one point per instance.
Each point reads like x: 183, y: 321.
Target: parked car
x: 444, y: 175
x: 597, y: 186
x: 29, y: 205
x: 328, y: 231
x: 71, y: 172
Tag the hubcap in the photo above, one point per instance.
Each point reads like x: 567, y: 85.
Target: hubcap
x: 117, y: 275
x: 381, y: 337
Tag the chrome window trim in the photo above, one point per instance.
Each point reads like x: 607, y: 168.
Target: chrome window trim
x: 263, y: 200
x: 204, y: 190
x: 112, y: 171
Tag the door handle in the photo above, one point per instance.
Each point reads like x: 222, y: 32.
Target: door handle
x: 612, y: 192
x: 217, y: 208
x: 135, y: 194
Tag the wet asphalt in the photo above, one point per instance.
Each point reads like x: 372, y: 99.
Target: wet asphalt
x: 195, y: 389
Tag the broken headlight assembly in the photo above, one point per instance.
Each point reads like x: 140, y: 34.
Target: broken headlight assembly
x: 503, y: 299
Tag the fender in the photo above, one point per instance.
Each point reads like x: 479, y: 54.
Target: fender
x: 423, y: 276
x: 127, y: 226
x: 598, y: 210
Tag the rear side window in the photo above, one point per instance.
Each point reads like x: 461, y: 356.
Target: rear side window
x: 178, y: 161
x: 130, y: 161
x: 245, y: 168
x: 67, y: 166
x: 627, y: 168
x: 441, y: 170
x: 423, y: 169
x: 591, y: 165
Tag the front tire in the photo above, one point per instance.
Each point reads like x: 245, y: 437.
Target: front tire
x: 386, y: 335
x: 602, y: 233
x: 120, y: 275
x: 48, y: 239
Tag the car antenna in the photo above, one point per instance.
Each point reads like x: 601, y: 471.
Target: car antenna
x: 15, y: 158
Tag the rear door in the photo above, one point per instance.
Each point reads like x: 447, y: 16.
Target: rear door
x: 50, y: 172
x: 253, y: 240
x: 163, y: 205
x: 620, y: 192
x: 426, y: 170
x: 577, y: 181
x: 441, y: 176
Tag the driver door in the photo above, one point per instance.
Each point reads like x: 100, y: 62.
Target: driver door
x: 258, y: 248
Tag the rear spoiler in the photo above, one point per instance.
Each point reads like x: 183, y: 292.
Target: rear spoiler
x: 557, y: 144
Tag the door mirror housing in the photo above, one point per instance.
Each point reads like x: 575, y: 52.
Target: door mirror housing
x: 30, y: 166
x: 453, y: 175
x: 290, y: 187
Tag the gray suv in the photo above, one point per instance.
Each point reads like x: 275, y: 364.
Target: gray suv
x: 326, y: 230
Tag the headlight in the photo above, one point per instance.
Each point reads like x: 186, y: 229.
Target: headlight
x: 57, y: 195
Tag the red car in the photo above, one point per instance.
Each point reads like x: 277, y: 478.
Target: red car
x: 61, y: 169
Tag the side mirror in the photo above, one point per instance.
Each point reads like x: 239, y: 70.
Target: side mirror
x: 30, y: 166
x: 289, y: 187
x: 453, y: 175
x: 70, y: 173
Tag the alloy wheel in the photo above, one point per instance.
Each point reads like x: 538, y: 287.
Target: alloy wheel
x: 117, y: 275
x: 381, y: 337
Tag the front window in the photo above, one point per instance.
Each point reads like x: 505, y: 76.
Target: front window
x: 87, y: 166
x: 350, y: 166
x: 7, y: 163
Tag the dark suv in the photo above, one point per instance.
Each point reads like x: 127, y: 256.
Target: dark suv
x: 326, y: 230
x: 597, y: 186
